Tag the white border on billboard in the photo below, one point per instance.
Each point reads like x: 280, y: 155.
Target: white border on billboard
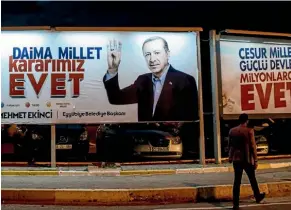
x: 123, y: 29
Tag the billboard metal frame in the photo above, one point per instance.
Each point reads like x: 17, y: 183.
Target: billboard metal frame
x: 215, y: 95
x: 26, y: 28
x: 136, y: 29
x: 215, y: 58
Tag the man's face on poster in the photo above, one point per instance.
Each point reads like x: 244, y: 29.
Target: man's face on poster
x: 156, y: 56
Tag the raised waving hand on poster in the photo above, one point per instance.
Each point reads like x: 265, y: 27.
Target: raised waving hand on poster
x: 113, y: 55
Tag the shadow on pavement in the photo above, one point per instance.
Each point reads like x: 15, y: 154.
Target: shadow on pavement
x: 187, y: 184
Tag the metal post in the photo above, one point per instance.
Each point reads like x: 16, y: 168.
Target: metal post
x: 53, y: 146
x: 201, y: 116
x: 215, y: 95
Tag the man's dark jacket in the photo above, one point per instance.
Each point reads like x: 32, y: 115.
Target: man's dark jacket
x: 242, y: 145
x: 178, y: 100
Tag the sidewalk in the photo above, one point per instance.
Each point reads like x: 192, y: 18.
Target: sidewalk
x: 125, y: 170
x: 106, y: 190
x: 155, y: 181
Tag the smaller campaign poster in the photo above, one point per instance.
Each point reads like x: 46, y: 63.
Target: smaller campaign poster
x: 256, y: 77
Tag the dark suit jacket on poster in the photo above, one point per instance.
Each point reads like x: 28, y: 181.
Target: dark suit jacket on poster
x: 178, y: 100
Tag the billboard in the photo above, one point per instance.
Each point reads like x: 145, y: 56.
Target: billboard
x: 98, y: 77
x: 255, y: 76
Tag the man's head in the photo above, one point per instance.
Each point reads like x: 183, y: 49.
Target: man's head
x: 156, y: 52
x: 243, y: 119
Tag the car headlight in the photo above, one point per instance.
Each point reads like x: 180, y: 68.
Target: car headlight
x: 21, y: 130
x: 35, y: 136
x: 176, y: 140
x: 262, y: 139
x: 84, y: 136
x: 139, y: 140
x: 18, y: 130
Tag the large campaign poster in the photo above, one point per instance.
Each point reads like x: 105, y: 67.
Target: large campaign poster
x: 255, y: 76
x: 98, y: 77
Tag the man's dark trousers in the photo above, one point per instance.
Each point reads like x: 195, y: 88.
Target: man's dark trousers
x: 238, y: 171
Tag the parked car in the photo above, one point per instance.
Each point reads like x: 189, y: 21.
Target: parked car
x: 127, y: 141
x: 156, y: 144
x: 72, y: 141
x: 17, y: 145
x: 263, y: 136
x: 112, y: 144
x: 281, y: 136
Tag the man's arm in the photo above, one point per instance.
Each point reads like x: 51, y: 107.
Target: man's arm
x: 253, y: 145
x: 230, y: 148
x: 116, y: 95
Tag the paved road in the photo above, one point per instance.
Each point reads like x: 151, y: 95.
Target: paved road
x: 126, y: 182
x: 269, y: 204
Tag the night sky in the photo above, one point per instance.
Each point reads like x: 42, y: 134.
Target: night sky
x: 259, y: 16
x: 266, y: 16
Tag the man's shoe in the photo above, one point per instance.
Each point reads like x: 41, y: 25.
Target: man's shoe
x: 260, y: 198
x: 235, y: 208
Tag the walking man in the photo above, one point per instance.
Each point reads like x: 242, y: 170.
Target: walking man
x: 243, y: 155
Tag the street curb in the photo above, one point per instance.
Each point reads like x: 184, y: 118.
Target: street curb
x: 261, y: 166
x: 29, y: 173
x: 156, y: 162
x: 113, y: 197
x: 95, y: 171
x: 148, y: 172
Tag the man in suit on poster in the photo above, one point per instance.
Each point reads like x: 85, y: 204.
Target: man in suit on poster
x: 165, y: 94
